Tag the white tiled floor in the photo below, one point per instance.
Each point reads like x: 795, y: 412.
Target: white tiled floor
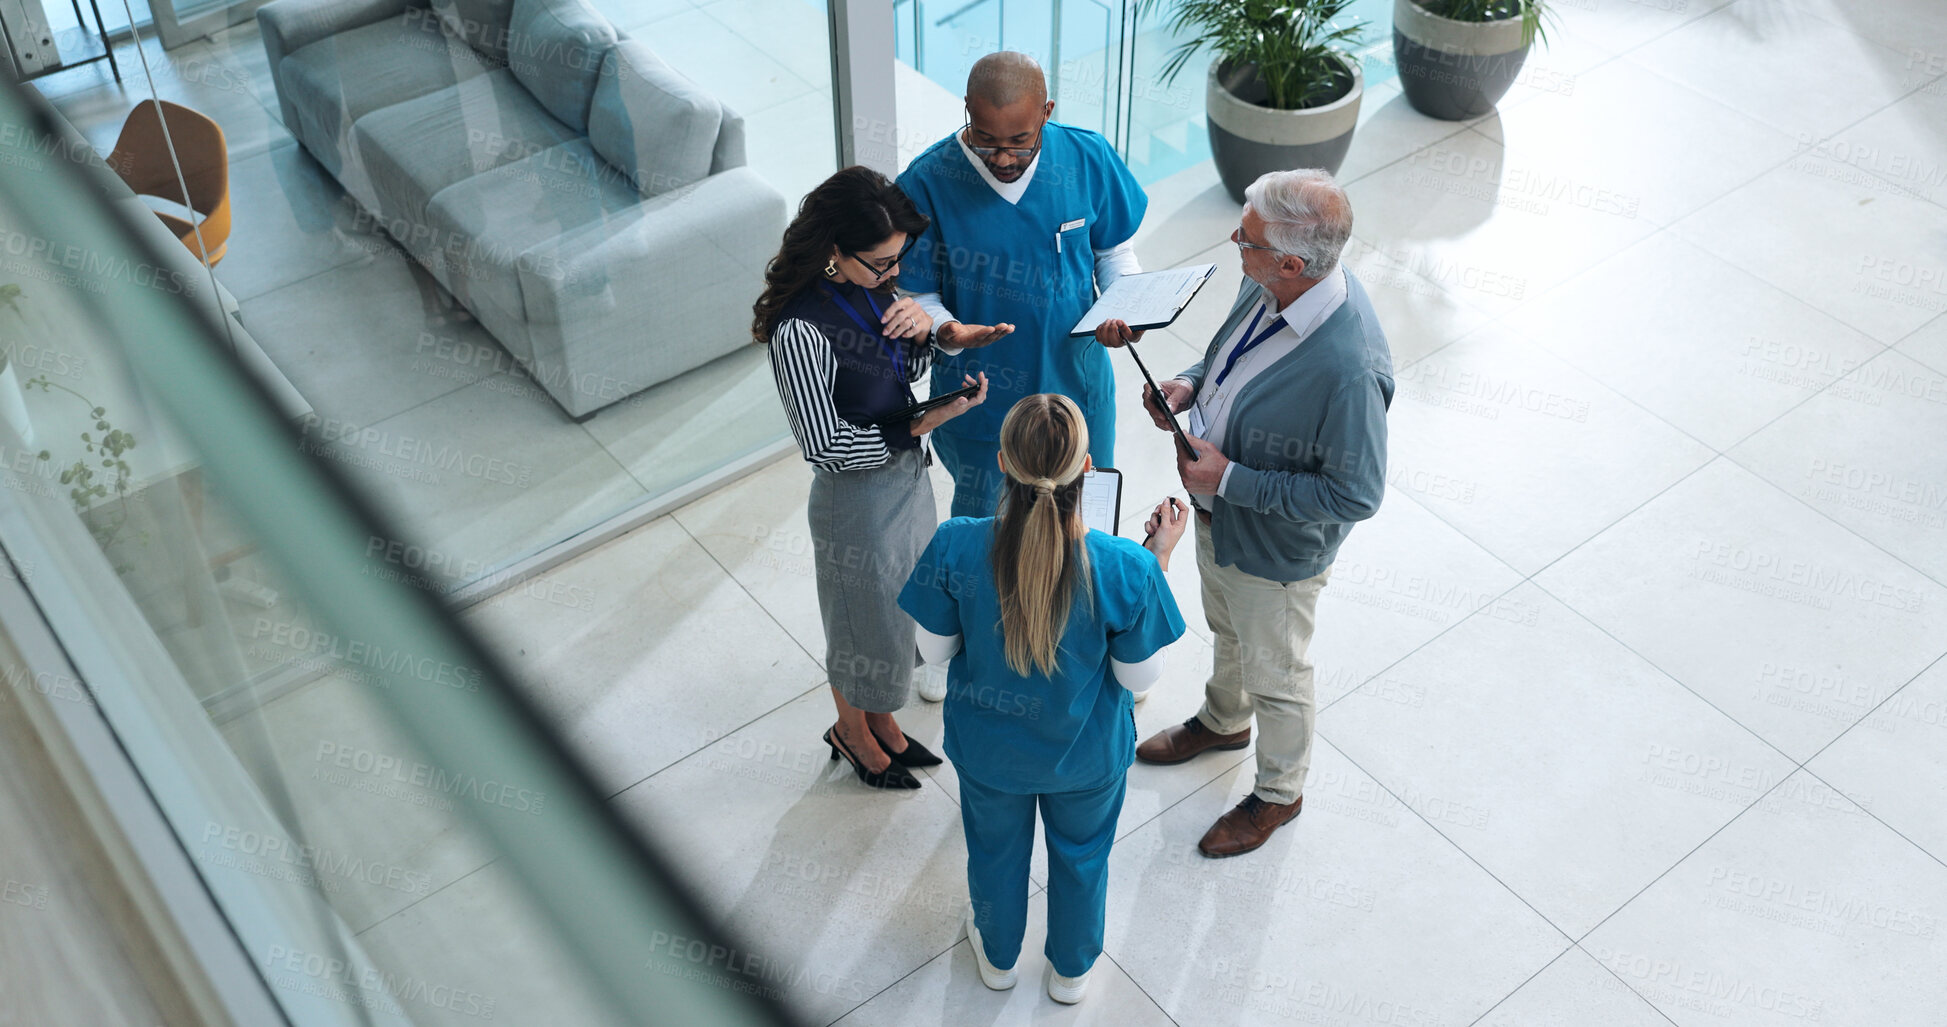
x: 1634, y: 698
x: 1632, y: 691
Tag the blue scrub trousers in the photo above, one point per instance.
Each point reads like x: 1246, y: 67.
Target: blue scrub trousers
x: 977, y: 478
x: 1078, y: 828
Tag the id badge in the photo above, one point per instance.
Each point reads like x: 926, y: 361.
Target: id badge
x: 1197, y: 426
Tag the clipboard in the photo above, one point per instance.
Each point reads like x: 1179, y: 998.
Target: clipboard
x: 1101, y: 502
x: 1149, y: 299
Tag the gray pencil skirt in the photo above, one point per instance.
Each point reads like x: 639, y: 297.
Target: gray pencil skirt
x: 867, y: 530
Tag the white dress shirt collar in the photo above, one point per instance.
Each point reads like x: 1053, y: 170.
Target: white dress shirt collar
x: 1310, y: 310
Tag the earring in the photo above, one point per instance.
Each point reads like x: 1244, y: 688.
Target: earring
x: 831, y: 267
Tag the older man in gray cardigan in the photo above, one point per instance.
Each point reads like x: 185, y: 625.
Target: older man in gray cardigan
x: 1287, y: 413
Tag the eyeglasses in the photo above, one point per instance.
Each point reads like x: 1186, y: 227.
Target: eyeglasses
x: 881, y: 270
x: 987, y: 152
x: 1237, y: 236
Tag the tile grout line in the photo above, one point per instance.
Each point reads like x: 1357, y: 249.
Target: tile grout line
x: 389, y: 916
x: 1474, y: 127
x: 1498, y: 1003
x: 1914, y: 334
x: 769, y: 616
x: 1667, y: 871
x: 1679, y: 682
x: 1131, y: 978
x: 923, y: 964
x: 1517, y: 896
x: 1640, y: 997
x: 1798, y: 768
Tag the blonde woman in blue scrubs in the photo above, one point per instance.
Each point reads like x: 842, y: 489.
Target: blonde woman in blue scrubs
x: 1048, y: 626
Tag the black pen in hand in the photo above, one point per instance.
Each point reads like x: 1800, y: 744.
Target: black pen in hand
x: 1150, y: 532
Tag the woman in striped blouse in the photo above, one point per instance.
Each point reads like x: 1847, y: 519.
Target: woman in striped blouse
x: 845, y: 352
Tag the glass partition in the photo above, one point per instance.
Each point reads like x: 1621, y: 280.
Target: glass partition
x: 1102, y: 59
x: 1078, y: 42
x: 503, y: 253
x: 392, y: 836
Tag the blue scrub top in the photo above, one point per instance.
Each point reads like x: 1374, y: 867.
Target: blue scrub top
x: 993, y: 261
x: 1038, y: 734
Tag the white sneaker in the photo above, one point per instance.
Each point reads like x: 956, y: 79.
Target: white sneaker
x: 1140, y: 696
x: 1066, y: 990
x: 999, y: 980
x: 932, y: 684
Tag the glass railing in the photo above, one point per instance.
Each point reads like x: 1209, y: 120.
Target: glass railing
x: 388, y: 830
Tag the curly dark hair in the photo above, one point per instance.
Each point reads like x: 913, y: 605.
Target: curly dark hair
x: 855, y: 209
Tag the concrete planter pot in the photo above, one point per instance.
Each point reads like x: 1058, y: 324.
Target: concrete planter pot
x: 1454, y: 70
x: 1247, y: 139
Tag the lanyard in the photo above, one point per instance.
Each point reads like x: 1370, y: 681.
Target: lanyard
x: 1249, y: 342
x: 879, y: 333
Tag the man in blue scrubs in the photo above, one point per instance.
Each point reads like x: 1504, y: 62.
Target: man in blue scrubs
x: 1029, y: 217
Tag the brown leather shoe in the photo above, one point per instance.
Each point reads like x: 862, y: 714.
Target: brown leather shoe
x: 1180, y: 742
x: 1246, y: 826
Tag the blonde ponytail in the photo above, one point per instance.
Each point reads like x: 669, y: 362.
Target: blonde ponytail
x: 1038, y: 556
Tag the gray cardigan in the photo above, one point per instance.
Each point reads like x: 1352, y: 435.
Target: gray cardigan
x: 1308, y: 435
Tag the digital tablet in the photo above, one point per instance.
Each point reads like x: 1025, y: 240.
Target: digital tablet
x: 906, y: 416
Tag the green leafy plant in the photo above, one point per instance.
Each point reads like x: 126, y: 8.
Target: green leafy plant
x: 102, y: 451
x: 1531, y: 13
x: 101, y: 472
x: 1302, y: 54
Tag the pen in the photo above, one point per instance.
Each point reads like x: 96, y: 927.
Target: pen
x: 1174, y: 505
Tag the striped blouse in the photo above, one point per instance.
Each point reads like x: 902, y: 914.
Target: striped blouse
x: 803, y: 364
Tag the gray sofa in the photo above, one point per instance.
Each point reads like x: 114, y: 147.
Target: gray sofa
x: 588, y: 204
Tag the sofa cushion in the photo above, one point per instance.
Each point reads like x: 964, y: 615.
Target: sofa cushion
x: 414, y: 149
x: 556, y: 48
x: 337, y: 80
x: 483, y: 24
x: 498, y: 215
x: 729, y: 151
x: 655, y: 125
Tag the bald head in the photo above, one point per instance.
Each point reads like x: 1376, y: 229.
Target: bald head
x: 1006, y: 77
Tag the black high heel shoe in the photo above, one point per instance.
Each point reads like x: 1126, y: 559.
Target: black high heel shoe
x: 915, y: 754
x: 894, y: 776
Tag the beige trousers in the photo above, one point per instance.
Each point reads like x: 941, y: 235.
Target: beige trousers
x: 1263, y: 629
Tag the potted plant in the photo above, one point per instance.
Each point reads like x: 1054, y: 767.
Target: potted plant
x: 13, y: 409
x: 1457, y: 58
x: 1283, y: 89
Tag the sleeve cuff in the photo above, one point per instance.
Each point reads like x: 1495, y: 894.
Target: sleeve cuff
x: 934, y: 306
x: 935, y: 649
x: 1138, y: 676
x: 1240, y: 485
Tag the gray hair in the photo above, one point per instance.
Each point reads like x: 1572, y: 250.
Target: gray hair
x: 1306, y: 215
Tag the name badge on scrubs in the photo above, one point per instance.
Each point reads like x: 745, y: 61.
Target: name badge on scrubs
x: 1067, y: 226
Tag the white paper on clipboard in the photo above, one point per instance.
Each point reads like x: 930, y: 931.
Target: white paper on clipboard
x: 1101, y: 503
x: 1151, y: 299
